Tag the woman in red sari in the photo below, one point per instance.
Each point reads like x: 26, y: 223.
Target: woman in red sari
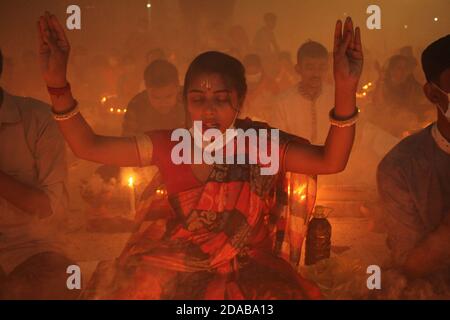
x: 217, y: 245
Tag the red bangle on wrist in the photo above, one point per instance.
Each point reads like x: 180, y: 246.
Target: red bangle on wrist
x: 59, y: 91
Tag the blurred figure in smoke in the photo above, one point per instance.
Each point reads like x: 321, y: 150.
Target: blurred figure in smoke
x: 154, y: 54
x: 399, y: 97
x: 287, y: 76
x: 159, y: 105
x: 215, y: 37
x: 301, y: 110
x: 414, y: 184
x: 261, y: 90
x: 239, y: 41
x: 265, y: 43
x: 33, y: 200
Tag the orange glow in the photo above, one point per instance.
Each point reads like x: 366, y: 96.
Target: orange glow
x: 131, y: 181
x: 300, y: 189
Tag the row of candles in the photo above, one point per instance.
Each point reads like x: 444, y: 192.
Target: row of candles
x: 112, y: 109
x: 365, y: 90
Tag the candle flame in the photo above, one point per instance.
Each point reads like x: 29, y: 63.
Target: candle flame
x: 103, y: 100
x: 300, y: 189
x: 131, y: 181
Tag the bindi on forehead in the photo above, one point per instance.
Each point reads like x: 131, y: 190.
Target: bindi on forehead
x: 206, y: 84
x: 209, y: 82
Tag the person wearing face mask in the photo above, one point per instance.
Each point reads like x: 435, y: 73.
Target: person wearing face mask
x: 261, y: 90
x: 414, y: 183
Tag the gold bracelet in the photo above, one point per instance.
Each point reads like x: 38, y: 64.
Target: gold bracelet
x: 68, y: 114
x: 345, y: 122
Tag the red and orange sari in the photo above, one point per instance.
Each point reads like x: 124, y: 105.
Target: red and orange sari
x: 218, y: 240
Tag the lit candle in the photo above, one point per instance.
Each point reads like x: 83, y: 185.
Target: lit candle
x: 149, y: 15
x: 132, y: 195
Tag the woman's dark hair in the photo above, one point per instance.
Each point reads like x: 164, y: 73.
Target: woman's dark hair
x: 231, y: 70
x: 436, y: 58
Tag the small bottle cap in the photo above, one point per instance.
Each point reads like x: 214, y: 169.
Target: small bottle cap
x: 319, y: 212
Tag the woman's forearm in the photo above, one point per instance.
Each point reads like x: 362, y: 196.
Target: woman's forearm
x: 339, y: 141
x: 86, y: 144
x: 76, y: 131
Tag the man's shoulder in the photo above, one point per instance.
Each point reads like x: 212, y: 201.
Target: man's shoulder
x: 407, y: 151
x: 138, y: 101
x: 35, y: 108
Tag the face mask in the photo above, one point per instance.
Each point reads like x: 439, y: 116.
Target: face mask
x: 208, y: 145
x: 253, y: 78
x: 447, y: 113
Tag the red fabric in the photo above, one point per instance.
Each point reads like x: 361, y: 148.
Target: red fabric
x: 219, y: 245
x: 177, y: 178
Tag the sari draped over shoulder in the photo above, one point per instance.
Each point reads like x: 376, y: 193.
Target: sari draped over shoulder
x: 221, y: 239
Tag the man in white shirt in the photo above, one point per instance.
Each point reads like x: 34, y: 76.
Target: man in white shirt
x: 303, y: 110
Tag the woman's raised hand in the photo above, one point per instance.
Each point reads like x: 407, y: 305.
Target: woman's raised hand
x: 54, y: 50
x: 347, y: 53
